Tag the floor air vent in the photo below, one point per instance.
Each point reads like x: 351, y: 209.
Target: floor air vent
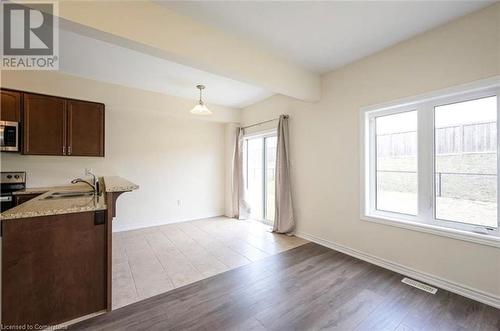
x: 419, y: 285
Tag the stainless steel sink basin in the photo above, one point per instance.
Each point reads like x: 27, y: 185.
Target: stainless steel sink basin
x: 62, y: 195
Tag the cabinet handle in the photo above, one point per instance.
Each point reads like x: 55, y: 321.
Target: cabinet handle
x: 64, y: 150
x: 69, y: 150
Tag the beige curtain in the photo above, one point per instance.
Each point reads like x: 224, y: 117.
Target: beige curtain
x: 241, y: 209
x: 284, y: 221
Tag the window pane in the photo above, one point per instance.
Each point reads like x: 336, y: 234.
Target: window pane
x: 270, y: 173
x: 466, y: 162
x: 396, y: 167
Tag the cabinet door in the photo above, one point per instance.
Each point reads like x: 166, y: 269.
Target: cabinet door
x: 85, y: 128
x: 53, y: 269
x: 44, y: 125
x: 10, y: 109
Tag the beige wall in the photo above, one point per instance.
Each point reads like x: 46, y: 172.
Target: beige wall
x: 177, y: 159
x: 325, y: 146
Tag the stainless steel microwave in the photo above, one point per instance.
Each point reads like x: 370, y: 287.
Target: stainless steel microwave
x: 9, y: 136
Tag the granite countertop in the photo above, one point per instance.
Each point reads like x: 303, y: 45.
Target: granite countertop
x: 39, y: 206
x: 118, y: 184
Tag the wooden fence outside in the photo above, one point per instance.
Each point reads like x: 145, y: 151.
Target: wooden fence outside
x: 467, y: 138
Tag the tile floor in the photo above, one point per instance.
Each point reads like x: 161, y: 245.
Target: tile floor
x: 153, y: 260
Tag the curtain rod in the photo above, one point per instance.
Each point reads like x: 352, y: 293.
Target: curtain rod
x: 272, y: 120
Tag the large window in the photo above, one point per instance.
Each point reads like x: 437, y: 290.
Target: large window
x: 434, y: 162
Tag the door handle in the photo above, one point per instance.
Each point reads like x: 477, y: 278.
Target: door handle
x: 2, y: 135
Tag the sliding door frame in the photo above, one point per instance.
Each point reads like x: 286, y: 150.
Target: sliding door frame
x: 264, y: 136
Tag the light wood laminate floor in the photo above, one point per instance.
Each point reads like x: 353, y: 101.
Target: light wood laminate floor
x: 306, y: 288
x: 154, y: 260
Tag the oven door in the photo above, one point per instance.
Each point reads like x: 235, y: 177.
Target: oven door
x: 6, y: 202
x: 9, y: 136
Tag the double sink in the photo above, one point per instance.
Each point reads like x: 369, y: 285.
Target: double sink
x: 63, y: 195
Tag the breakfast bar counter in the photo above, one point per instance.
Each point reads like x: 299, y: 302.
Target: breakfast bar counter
x: 46, y: 203
x: 57, y: 252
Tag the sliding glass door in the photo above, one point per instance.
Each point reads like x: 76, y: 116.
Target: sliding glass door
x: 255, y: 177
x: 260, y: 163
x: 270, y: 173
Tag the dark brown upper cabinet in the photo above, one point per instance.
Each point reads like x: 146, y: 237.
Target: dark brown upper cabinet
x: 44, y: 125
x: 59, y: 126
x: 10, y: 109
x: 85, y: 128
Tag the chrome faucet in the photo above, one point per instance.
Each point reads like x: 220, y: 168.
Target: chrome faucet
x: 95, y: 182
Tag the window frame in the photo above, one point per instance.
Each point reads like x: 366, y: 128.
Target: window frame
x: 425, y: 219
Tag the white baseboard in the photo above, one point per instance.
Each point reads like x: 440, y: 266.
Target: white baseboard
x: 120, y: 227
x: 451, y: 286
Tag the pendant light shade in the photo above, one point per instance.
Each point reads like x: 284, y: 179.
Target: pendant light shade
x: 200, y: 108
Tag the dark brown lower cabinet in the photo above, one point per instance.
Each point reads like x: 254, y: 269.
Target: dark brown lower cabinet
x: 54, y: 268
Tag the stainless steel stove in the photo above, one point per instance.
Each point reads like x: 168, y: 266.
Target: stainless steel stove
x: 10, y: 182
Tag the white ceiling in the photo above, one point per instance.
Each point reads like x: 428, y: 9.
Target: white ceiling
x: 324, y: 35
x: 95, y: 59
x: 318, y: 35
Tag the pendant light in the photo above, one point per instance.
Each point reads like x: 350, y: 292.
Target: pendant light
x: 200, y: 108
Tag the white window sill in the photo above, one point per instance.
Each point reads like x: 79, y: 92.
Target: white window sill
x: 484, y: 239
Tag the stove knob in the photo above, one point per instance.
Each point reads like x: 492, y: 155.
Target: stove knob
x: 9, y: 176
x: 16, y: 176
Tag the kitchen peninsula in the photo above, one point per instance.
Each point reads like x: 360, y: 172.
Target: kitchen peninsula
x: 56, y: 253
